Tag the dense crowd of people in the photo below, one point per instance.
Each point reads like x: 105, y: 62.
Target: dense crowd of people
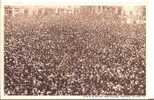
x: 65, y: 55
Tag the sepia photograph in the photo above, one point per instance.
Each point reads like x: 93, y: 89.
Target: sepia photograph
x: 74, y: 50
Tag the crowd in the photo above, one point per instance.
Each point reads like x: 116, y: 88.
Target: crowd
x: 61, y: 55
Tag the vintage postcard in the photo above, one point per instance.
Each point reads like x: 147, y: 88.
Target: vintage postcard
x: 68, y: 49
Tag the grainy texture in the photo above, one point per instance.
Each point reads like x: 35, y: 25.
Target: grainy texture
x: 73, y: 55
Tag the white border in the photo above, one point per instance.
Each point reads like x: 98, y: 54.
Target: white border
x: 75, y: 2
x: 149, y: 48
x: 1, y: 49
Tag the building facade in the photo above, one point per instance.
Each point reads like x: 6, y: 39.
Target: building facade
x: 136, y: 15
